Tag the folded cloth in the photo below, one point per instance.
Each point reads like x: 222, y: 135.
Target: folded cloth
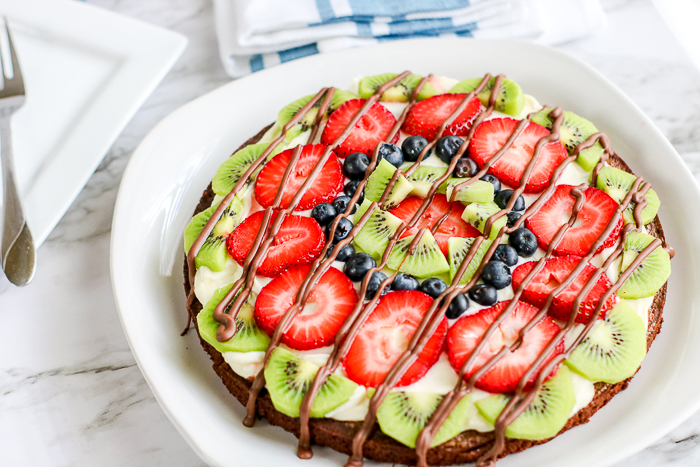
x: 258, y: 34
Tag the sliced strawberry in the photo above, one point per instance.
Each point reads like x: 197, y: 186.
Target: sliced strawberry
x: 453, y: 226
x: 372, y: 128
x: 424, y: 118
x: 385, y: 335
x: 492, y: 135
x: 325, y: 187
x: 467, y: 332
x: 554, y: 272
x: 299, y: 241
x: 329, y: 304
x: 597, y: 210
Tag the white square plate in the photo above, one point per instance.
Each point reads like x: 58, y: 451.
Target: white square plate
x: 203, y: 133
x: 86, y: 72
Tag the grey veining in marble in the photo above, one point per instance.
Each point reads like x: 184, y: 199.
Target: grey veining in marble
x: 71, y: 392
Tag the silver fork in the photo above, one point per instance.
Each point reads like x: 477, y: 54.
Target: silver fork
x: 17, y: 254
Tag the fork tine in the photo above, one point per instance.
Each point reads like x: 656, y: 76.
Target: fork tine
x: 15, y: 85
x: 16, y: 70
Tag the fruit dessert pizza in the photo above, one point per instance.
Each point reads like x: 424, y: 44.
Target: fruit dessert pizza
x: 426, y: 271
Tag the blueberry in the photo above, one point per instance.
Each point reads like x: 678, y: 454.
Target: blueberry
x: 466, y: 168
x: 484, y: 294
x: 503, y: 197
x: 524, y: 242
x: 324, y: 213
x: 433, y: 287
x: 404, y: 281
x: 493, y: 181
x: 496, y: 274
x: 373, y: 285
x: 358, y: 265
x: 351, y: 188
x: 506, y: 254
x: 412, y: 147
x: 447, y: 147
x: 512, y: 218
x: 458, y: 306
x: 346, y: 252
x: 355, y: 166
x: 342, y: 230
x: 341, y: 204
x: 392, y: 153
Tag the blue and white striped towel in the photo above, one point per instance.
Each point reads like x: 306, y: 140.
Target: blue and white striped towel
x: 258, y: 34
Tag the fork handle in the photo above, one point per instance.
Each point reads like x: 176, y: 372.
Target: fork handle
x: 17, y: 254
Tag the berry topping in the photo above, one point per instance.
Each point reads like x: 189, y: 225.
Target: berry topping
x: 458, y: 306
x: 424, y: 118
x: 493, y: 181
x: 447, y: 147
x: 433, y: 287
x: 373, y: 285
x: 595, y: 214
x: 492, y: 135
x: 404, y: 281
x: 385, y: 336
x: 358, y: 265
x: 392, y: 153
x: 355, y: 165
x: 484, y: 294
x: 503, y: 198
x: 412, y: 147
x: 298, y: 241
x: 326, y: 186
x: 496, y: 274
x: 374, y: 126
x: 465, y: 168
x: 324, y: 213
x: 506, y: 254
x: 554, y: 272
x: 524, y: 242
x: 351, y: 188
x: 342, y: 230
x: 341, y: 204
x: 329, y: 304
x: 465, y: 335
x: 346, y: 252
x: 512, y: 218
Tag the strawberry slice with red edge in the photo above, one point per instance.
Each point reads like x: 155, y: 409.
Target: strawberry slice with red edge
x: 491, y: 135
x: 597, y: 211
x: 325, y: 187
x: 453, y: 226
x: 551, y: 276
x: 299, y: 241
x: 424, y: 118
x: 371, y: 129
x: 503, y: 377
x: 385, y: 335
x: 329, y: 304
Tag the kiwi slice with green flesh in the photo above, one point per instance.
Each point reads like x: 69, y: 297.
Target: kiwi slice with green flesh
x: 426, y: 261
x: 361, y: 210
x: 403, y: 415
x: 378, y: 181
x: 231, y: 171
x: 510, y: 99
x: 376, y: 233
x: 287, y: 113
x: 477, y: 214
x: 423, y: 178
x: 248, y: 338
x: 450, y: 182
x: 544, y: 417
x: 651, y: 274
x: 574, y: 130
x: 213, y: 253
x: 457, y: 249
x: 617, y: 183
x: 288, y: 377
x: 400, y: 92
x: 613, y: 349
x: 478, y: 192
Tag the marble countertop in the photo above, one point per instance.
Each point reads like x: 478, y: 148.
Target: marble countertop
x: 71, y: 391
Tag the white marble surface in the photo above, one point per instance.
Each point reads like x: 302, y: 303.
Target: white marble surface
x: 71, y: 393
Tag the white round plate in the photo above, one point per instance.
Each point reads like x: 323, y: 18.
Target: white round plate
x: 195, y: 139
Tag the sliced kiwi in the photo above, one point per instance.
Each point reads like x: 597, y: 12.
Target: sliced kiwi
x: 213, y: 253
x: 378, y: 181
x: 248, y: 338
x: 617, y: 183
x: 426, y: 260
x: 478, y: 192
x: 510, y: 99
x: 477, y: 214
x: 457, y: 249
x: 651, y: 274
x: 376, y: 233
x: 544, y: 417
x: 400, y: 92
x: 231, y: 171
x: 613, y: 349
x: 574, y: 130
x: 450, y: 182
x: 287, y: 113
x: 288, y: 377
x: 423, y: 178
x: 403, y: 415
x: 361, y: 210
